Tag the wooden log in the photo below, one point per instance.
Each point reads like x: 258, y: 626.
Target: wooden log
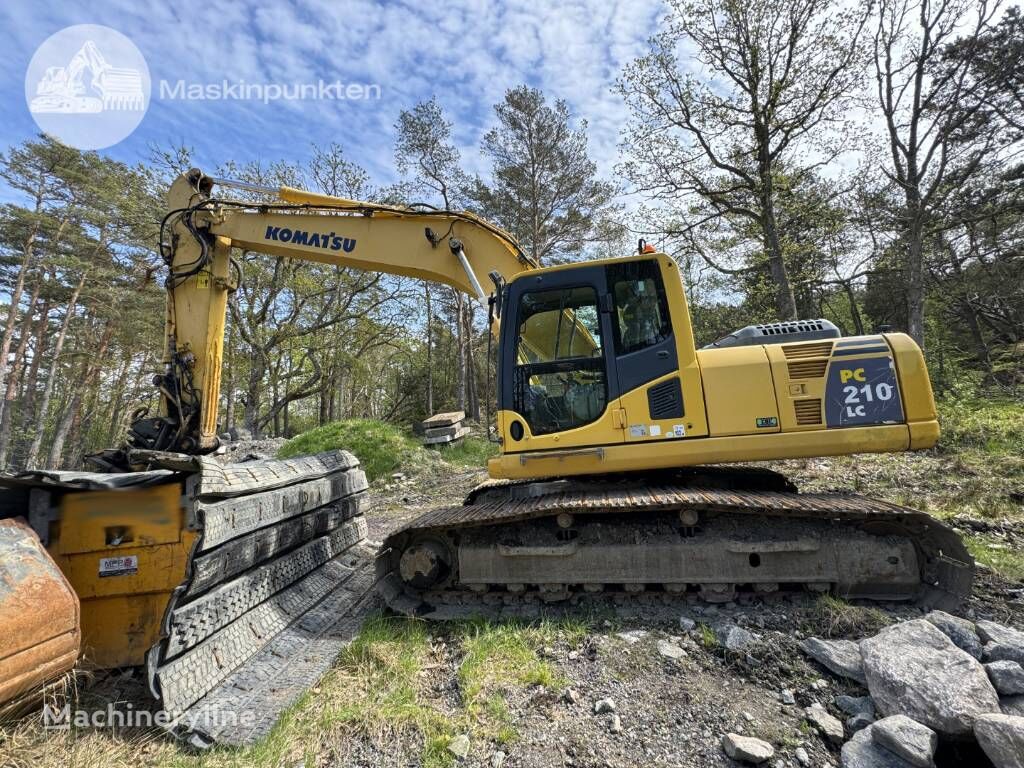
x: 458, y: 435
x: 443, y: 431
x: 444, y: 419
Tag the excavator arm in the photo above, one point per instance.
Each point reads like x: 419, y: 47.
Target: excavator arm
x: 457, y: 249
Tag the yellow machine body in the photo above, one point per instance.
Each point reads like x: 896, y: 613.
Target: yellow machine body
x: 123, y: 551
x: 739, y: 404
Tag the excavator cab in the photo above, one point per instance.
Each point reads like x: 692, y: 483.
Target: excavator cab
x: 578, y: 339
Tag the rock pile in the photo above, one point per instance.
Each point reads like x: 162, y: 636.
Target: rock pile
x: 939, y: 677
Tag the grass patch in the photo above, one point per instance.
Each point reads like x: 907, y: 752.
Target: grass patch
x: 501, y: 657
x: 993, y: 427
x: 1000, y: 557
x: 832, y: 616
x: 376, y: 689
x: 470, y: 452
x: 707, y: 637
x: 381, y: 448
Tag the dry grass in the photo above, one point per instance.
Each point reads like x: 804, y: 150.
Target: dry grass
x: 387, y: 693
x: 834, y: 617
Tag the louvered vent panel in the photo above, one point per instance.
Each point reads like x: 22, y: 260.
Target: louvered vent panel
x: 807, y: 369
x: 665, y: 400
x: 801, y: 351
x: 807, y: 411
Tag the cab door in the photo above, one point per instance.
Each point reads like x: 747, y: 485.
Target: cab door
x: 558, y: 386
x: 660, y: 388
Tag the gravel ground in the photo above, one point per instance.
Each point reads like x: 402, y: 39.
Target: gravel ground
x: 670, y: 711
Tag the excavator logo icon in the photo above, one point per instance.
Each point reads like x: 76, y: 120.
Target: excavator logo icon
x: 62, y: 89
x: 88, y: 86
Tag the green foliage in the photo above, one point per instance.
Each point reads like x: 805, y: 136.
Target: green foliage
x: 997, y: 555
x: 706, y: 636
x: 994, y: 427
x: 381, y: 448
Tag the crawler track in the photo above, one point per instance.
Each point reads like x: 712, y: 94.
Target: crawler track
x: 713, y: 534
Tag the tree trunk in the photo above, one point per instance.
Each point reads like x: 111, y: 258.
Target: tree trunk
x: 430, y: 356
x: 71, y: 413
x: 14, y: 376
x: 51, y: 377
x: 915, y: 276
x: 460, y: 344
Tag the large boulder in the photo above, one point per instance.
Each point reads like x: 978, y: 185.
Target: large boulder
x: 839, y: 656
x: 913, y: 669
x: 1002, y: 738
x: 960, y: 631
x: 907, y: 738
x: 862, y: 751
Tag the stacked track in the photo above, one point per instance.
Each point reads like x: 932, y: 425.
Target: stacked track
x: 277, y: 582
x: 712, y: 534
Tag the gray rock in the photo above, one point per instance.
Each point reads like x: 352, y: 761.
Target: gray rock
x: 616, y: 724
x: 570, y: 696
x: 687, y: 624
x: 856, y: 705
x: 1012, y: 705
x: 633, y: 636
x: 734, y: 639
x: 670, y: 650
x: 913, y: 669
x: 747, y: 749
x: 960, y: 631
x: 862, y: 752
x: 1002, y: 738
x: 498, y: 759
x: 990, y: 632
x: 859, y: 722
x: 459, y: 746
x: 907, y: 738
x: 603, y: 705
x: 1007, y: 676
x: 787, y: 697
x: 826, y: 724
x: 839, y: 656
x: 801, y: 756
x: 1003, y: 652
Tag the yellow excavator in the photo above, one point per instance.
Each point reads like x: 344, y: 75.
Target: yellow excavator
x: 235, y: 585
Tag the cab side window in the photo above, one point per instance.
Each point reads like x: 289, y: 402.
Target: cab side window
x: 559, y: 380
x: 641, y: 309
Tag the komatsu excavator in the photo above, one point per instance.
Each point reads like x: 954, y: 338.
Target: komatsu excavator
x: 235, y: 584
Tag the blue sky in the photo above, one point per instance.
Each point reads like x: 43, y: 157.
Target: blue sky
x: 465, y: 52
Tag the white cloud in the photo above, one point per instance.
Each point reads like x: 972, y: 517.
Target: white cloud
x: 466, y: 52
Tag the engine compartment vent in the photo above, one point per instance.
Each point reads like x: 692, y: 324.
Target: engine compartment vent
x: 779, y: 333
x: 807, y: 369
x: 803, y: 351
x: 665, y: 400
x: 808, y: 412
